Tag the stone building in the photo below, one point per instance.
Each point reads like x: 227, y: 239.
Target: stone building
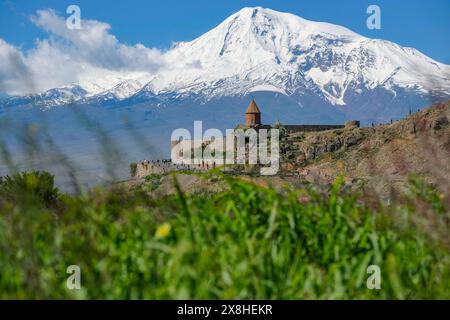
x: 253, y: 120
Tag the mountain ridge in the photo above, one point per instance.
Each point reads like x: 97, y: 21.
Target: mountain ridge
x: 262, y: 50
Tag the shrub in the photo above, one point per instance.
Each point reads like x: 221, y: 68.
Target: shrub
x: 29, y: 186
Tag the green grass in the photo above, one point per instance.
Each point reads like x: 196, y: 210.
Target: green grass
x: 153, y: 181
x: 245, y: 243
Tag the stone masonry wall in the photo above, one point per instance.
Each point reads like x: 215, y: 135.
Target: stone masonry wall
x: 311, y: 128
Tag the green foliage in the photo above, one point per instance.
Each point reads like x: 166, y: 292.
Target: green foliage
x: 153, y: 181
x: 245, y: 243
x: 35, y: 187
x: 424, y: 192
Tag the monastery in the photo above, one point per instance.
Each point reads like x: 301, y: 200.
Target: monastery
x: 253, y: 120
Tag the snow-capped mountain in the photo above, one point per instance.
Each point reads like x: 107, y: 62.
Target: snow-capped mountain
x: 261, y: 50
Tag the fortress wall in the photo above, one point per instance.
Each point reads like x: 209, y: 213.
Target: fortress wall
x: 146, y: 168
x: 311, y: 128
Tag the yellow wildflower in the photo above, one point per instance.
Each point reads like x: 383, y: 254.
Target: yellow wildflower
x: 163, y: 230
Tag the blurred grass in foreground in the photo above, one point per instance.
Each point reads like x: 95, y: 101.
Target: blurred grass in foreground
x: 245, y: 243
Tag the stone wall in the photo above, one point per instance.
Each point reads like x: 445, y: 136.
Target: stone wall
x: 145, y: 168
x: 311, y: 128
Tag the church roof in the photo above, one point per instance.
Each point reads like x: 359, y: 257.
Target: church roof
x: 253, y: 108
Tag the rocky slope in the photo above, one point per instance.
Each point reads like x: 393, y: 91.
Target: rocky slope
x: 382, y: 156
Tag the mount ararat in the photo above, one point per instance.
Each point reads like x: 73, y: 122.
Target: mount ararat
x: 261, y: 50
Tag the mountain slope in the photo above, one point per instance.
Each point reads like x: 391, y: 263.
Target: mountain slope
x: 260, y: 49
x: 286, y: 53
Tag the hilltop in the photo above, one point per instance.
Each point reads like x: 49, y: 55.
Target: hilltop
x: 379, y: 158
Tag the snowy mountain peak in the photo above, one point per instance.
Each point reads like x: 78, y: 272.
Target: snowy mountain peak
x: 258, y: 33
x: 281, y: 52
x: 258, y: 49
x: 265, y: 21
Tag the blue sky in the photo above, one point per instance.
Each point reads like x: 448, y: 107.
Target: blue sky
x: 422, y: 24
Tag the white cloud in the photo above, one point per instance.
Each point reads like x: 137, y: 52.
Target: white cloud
x: 68, y: 56
x: 14, y: 71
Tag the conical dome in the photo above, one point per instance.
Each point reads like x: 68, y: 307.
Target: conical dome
x: 253, y: 108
